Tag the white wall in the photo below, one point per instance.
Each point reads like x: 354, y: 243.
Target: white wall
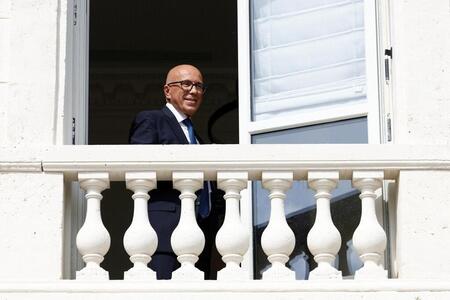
x: 423, y: 225
x: 421, y: 71
x: 31, y: 217
x: 31, y: 209
x: 32, y: 47
x: 421, y: 87
x: 31, y: 91
x: 5, y: 20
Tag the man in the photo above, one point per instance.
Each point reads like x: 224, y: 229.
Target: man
x: 184, y: 90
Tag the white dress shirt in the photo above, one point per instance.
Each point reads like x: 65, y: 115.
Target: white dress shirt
x: 180, y: 117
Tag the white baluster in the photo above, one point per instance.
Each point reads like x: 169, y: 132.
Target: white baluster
x: 232, y: 239
x: 187, y: 239
x: 93, y: 240
x: 369, y: 238
x: 140, y: 240
x: 324, y: 240
x: 278, y: 240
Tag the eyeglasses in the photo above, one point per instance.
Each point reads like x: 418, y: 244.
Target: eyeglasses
x: 187, y: 85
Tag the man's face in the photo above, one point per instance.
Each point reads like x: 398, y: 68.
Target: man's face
x: 184, y: 100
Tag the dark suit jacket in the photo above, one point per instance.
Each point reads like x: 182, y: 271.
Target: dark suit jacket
x: 161, y: 127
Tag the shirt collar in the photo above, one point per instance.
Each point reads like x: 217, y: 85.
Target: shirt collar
x: 178, y: 115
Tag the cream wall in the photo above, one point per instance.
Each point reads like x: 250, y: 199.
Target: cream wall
x: 420, y: 32
x: 31, y: 217
x: 423, y: 225
x: 32, y: 47
x: 5, y: 20
x: 421, y: 71
x: 30, y: 77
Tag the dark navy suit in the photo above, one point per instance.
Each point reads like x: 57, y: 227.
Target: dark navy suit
x: 161, y: 127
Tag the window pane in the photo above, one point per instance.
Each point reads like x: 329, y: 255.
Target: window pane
x: 305, y: 54
x: 300, y: 204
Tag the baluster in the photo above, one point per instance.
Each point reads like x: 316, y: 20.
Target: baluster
x: 93, y: 240
x: 369, y: 238
x: 278, y: 240
x: 232, y: 239
x: 187, y: 239
x: 324, y: 240
x: 140, y: 240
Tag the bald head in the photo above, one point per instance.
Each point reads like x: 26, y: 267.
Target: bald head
x: 181, y: 89
x: 177, y: 72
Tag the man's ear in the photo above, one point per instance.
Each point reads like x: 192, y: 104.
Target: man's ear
x: 166, y: 92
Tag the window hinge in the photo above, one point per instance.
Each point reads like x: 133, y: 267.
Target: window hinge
x: 73, y: 131
x: 389, y: 127
x: 387, y: 67
x: 388, y: 52
x: 75, y: 14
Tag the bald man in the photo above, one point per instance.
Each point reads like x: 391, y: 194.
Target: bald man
x: 183, y: 90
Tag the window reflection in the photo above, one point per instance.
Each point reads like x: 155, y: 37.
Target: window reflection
x: 300, y: 207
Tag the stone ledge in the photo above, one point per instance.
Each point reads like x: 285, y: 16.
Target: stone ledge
x: 212, y: 286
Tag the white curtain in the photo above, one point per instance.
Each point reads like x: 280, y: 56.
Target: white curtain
x: 306, y: 53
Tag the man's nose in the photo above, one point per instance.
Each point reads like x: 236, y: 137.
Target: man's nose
x: 197, y: 89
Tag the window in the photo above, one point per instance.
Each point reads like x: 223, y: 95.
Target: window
x: 308, y: 74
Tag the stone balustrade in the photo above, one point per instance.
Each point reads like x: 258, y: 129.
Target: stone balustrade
x: 278, y: 240
x: 234, y: 168
x: 38, y: 186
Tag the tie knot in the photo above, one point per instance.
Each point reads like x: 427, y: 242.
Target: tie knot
x: 190, y: 128
x: 188, y: 123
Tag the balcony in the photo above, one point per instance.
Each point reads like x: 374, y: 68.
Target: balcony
x: 417, y: 172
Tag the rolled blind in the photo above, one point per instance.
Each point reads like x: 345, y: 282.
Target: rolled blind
x: 306, y: 53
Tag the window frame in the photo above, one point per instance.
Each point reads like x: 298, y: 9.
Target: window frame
x: 371, y: 109
x: 76, y: 104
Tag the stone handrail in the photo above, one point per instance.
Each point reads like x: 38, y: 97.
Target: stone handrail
x: 164, y: 159
x: 116, y: 159
x: 277, y: 166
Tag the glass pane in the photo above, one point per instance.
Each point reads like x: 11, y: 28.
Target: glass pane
x: 300, y: 203
x: 305, y: 54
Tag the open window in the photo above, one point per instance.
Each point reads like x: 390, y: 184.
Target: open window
x: 312, y: 78
x: 278, y: 72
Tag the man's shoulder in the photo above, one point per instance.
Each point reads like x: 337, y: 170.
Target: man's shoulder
x: 149, y: 114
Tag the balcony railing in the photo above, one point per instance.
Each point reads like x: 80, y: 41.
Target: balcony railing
x: 233, y: 166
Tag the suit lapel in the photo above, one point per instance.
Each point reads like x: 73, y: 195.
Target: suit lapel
x: 175, y: 126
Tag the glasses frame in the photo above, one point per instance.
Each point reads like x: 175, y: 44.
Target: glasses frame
x: 201, y: 87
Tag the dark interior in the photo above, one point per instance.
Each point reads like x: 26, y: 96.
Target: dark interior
x: 132, y: 45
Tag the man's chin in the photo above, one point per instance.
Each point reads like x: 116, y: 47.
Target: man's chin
x: 190, y: 111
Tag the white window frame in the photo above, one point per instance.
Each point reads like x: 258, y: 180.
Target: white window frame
x: 76, y: 123
x: 370, y: 109
x: 247, y: 127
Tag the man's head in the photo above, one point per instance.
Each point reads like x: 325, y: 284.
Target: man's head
x: 184, y: 89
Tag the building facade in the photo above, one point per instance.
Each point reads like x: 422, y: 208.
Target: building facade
x: 406, y: 156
